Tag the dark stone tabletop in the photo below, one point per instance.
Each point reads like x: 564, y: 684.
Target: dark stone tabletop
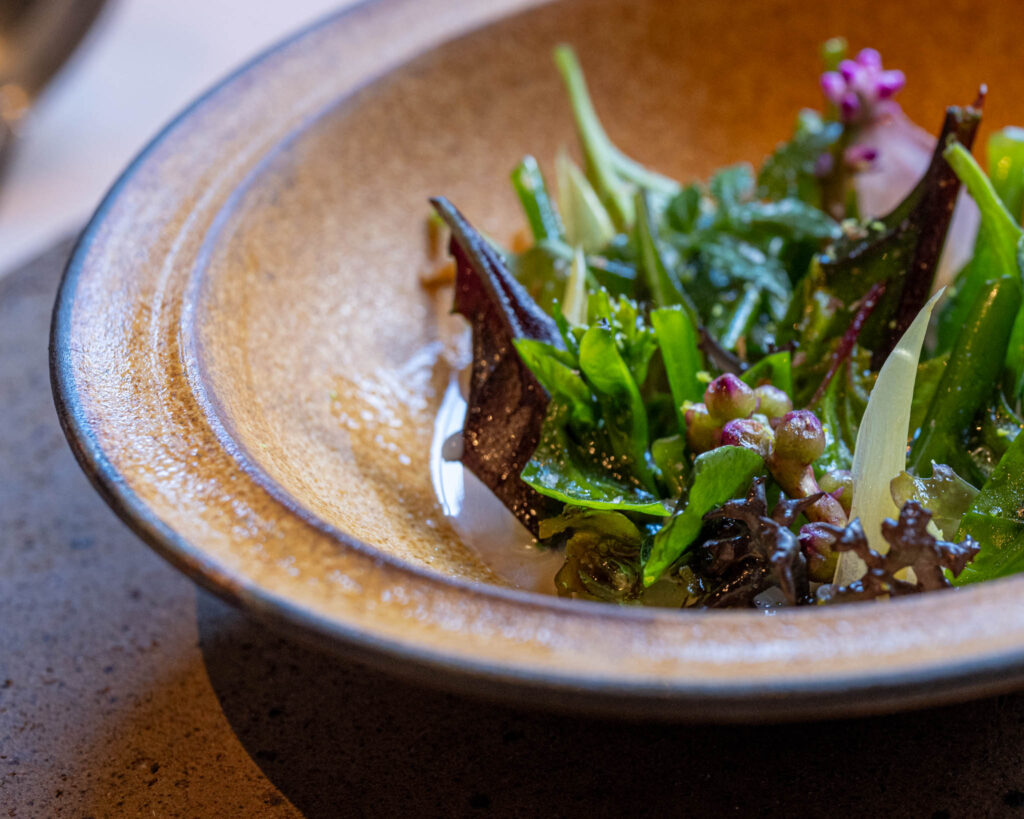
x: 126, y: 691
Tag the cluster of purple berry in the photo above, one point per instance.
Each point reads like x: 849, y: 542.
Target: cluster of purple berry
x: 763, y: 419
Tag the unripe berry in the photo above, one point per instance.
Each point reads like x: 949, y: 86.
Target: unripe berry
x: 799, y: 437
x: 727, y: 397
x: 772, y: 402
x: 816, y: 538
x: 749, y: 433
x: 836, y: 480
x: 702, y: 432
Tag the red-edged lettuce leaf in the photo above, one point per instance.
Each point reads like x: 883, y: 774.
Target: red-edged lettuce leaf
x: 903, y: 247
x: 507, y: 404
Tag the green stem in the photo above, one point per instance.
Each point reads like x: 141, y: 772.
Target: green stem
x: 532, y: 191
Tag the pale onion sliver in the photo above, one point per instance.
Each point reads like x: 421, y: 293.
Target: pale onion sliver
x: 880, y: 453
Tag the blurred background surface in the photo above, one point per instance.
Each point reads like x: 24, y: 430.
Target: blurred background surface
x: 139, y: 65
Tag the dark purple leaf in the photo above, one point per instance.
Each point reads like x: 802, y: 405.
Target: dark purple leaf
x: 506, y: 403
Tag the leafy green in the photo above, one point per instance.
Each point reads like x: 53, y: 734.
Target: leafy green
x: 555, y: 370
x: 789, y: 172
x: 995, y: 248
x: 619, y: 397
x: 984, y: 340
x: 838, y: 452
x: 613, y: 175
x: 790, y: 217
x: 580, y: 519
x: 533, y: 195
x: 718, y: 475
x: 669, y: 456
x: 562, y: 469
x: 587, y: 223
x: 1006, y: 168
x: 946, y: 495
x: 996, y: 520
x: 677, y: 338
x: 775, y: 369
x: 664, y: 290
x: 929, y: 373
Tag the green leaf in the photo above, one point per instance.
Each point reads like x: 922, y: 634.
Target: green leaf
x: 730, y: 186
x: 587, y: 223
x: 622, y: 407
x: 1006, y: 168
x: 789, y: 172
x: 1000, y: 229
x: 677, y: 338
x: 581, y: 519
x: 946, y: 495
x: 790, y: 217
x: 634, y: 336
x: 684, y: 209
x: 556, y: 372
x: 663, y: 287
x: 996, y: 520
x: 564, y: 470
x: 837, y: 454
x: 718, y: 475
x: 775, y: 369
x: 541, y: 273
x: 669, y: 456
x: 735, y: 258
x: 929, y: 373
x: 533, y: 195
x: 999, y: 250
x: 975, y: 365
x: 1002, y: 548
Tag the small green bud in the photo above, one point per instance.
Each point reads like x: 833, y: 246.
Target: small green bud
x: 772, y: 401
x: 702, y: 432
x: 836, y: 480
x: 799, y: 437
x: 749, y: 433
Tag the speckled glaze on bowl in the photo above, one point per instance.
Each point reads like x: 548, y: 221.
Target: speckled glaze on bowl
x: 246, y: 367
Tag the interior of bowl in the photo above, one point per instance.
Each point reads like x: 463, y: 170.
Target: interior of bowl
x: 317, y: 347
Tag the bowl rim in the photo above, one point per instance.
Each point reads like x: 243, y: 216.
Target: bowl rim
x: 749, y: 699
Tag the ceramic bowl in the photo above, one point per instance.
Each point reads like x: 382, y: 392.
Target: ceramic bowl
x: 248, y: 369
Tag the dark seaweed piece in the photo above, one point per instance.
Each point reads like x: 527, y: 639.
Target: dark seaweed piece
x: 911, y: 546
x: 755, y: 550
x: 507, y: 404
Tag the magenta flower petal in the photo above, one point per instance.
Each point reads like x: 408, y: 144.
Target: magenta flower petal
x: 833, y: 86
x: 849, y: 106
x: 888, y: 83
x: 860, y: 157
x: 850, y: 70
x: 870, y: 58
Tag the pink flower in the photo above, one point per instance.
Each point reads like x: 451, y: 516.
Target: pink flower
x: 860, y: 87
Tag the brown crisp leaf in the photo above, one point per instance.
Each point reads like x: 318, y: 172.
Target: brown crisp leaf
x: 911, y: 546
x: 756, y: 550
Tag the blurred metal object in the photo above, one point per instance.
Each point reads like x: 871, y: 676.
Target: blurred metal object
x: 36, y: 38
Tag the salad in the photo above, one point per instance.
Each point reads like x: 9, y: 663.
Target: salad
x: 772, y: 388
